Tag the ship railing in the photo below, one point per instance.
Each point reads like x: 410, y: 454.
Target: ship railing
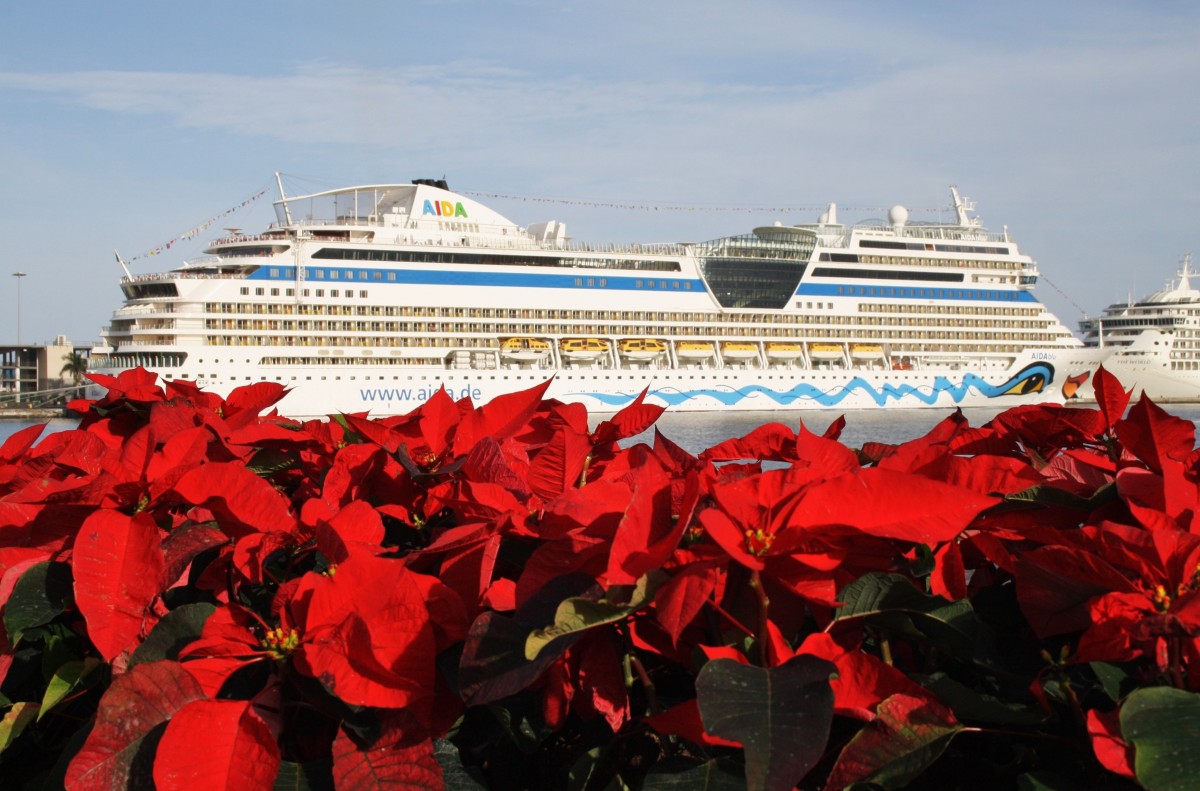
x: 953, y: 234
x: 178, y: 275
x: 138, y: 310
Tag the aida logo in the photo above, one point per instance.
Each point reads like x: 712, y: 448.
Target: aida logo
x: 444, y: 208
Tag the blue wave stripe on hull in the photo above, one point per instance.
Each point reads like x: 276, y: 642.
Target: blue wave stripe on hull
x: 1036, y: 376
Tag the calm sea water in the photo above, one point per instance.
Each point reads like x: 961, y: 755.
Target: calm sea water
x: 696, y: 431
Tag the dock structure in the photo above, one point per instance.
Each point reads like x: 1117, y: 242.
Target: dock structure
x: 32, y: 377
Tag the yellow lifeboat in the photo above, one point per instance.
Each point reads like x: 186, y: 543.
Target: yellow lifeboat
x: 738, y: 350
x: 694, y: 350
x: 641, y: 348
x: 582, y: 348
x: 866, y: 351
x: 825, y: 351
x: 785, y: 351
x: 524, y: 349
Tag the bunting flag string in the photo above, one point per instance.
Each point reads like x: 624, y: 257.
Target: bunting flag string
x: 673, y: 208
x: 199, y: 229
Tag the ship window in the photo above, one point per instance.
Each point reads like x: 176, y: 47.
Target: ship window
x: 333, y: 293
x: 349, y: 275
x: 258, y: 292
x: 333, y: 274
x: 274, y: 271
x: 362, y: 294
x: 245, y: 292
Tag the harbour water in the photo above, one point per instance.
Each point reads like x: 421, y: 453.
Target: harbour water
x: 695, y: 432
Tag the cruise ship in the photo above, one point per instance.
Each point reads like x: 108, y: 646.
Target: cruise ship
x: 1154, y: 342
x: 371, y: 298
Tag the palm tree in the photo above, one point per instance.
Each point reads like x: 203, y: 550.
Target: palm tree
x: 76, y: 365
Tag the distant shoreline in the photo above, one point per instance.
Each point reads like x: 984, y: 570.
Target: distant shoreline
x: 26, y: 414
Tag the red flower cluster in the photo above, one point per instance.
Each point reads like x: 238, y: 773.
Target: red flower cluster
x: 196, y: 595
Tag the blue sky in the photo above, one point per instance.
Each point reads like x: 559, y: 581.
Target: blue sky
x: 124, y: 125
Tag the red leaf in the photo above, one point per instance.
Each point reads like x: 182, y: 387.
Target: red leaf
x: 1111, y: 397
x: 184, y: 544
x: 130, y: 712
x: 118, y: 568
x: 633, y: 419
x: 1114, y: 753
x: 684, y: 720
x: 391, y: 766
x: 1156, y: 437
x: 499, y: 418
x: 216, y: 744
x: 19, y: 442
x: 647, y: 534
x: 558, y: 465
x: 825, y: 453
x: 681, y: 598
x: 245, y: 403
x: 237, y: 497
x: 355, y: 528
x: 602, y: 679
x: 770, y: 441
x: 907, y: 735
x: 892, y: 504
x: 1055, y: 584
x: 862, y: 680
x: 366, y: 633
x: 949, y: 577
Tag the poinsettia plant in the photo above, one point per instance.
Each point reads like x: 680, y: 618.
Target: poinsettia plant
x: 199, y: 593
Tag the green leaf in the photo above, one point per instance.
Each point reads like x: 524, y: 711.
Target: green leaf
x: 1161, y: 723
x: 311, y: 776
x: 268, y: 461
x: 173, y: 632
x: 1113, y: 679
x: 578, y: 614
x: 1049, y: 781
x: 41, y: 594
x: 1055, y: 497
x: 973, y: 706
x: 455, y: 776
x: 907, y: 735
x: 584, y: 769
x: 708, y: 776
x: 892, y: 602
x: 66, y: 680
x: 780, y: 715
x: 14, y: 721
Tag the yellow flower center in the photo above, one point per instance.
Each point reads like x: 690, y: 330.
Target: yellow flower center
x: 280, y: 643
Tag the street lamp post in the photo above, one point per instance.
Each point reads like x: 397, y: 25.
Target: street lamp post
x: 18, y: 276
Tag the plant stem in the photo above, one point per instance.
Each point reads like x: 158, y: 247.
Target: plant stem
x: 729, y: 617
x: 647, y: 683
x: 763, y: 637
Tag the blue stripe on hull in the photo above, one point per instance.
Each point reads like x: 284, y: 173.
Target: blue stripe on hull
x: 1031, y: 379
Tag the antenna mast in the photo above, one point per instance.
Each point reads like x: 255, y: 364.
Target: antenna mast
x: 287, y: 212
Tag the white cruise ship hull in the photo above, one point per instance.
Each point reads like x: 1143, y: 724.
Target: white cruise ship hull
x: 371, y: 299
x: 1053, y: 376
